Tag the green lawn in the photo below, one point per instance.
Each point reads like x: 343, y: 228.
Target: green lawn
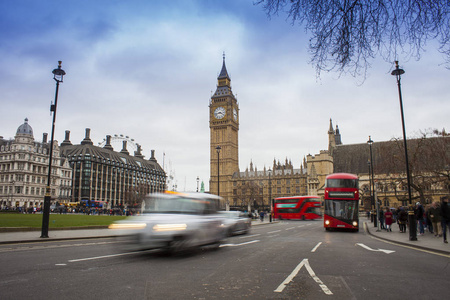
x: 56, y: 220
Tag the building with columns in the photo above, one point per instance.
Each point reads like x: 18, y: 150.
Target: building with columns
x: 24, y: 171
x: 115, y: 179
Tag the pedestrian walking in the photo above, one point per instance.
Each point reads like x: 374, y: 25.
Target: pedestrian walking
x: 419, y: 211
x: 445, y: 214
x: 381, y: 219
x: 261, y: 216
x: 434, y: 213
x: 402, y: 218
x: 428, y: 223
x: 389, y: 219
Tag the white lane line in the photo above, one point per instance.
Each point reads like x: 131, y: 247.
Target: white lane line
x: 290, y: 228
x: 305, y: 263
x: 248, y: 236
x: 379, y: 250
x: 273, y: 231
x: 300, y: 226
x: 104, y: 256
x: 317, y: 246
x: 241, y: 244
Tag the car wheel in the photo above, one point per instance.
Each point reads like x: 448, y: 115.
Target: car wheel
x: 179, y: 244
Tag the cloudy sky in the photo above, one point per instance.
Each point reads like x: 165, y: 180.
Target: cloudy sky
x: 147, y: 70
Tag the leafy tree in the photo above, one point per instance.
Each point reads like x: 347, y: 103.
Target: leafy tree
x: 347, y: 34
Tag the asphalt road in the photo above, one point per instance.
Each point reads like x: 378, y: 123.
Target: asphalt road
x: 286, y: 260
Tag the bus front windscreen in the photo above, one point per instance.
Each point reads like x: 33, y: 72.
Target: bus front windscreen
x: 342, y: 183
x: 341, y: 209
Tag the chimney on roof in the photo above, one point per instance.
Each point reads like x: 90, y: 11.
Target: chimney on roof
x: 138, y: 152
x: 108, y: 143
x: 44, y: 138
x: 152, y: 158
x: 124, y: 148
x: 87, y: 138
x: 66, y: 141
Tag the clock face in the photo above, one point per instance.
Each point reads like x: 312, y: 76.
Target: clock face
x: 235, y: 114
x: 219, y: 113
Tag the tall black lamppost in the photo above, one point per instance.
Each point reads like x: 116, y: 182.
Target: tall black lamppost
x: 270, y: 197
x: 411, y: 217
x: 198, y: 179
x: 58, y: 75
x: 372, y: 185
x: 370, y: 191
x: 218, y: 178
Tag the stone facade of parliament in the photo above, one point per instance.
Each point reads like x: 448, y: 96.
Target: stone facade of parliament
x: 429, y: 159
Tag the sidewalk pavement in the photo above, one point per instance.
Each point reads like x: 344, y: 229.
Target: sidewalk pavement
x: 427, y: 241
x: 33, y: 236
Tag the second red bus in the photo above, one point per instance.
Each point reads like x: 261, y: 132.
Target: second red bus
x: 297, y: 207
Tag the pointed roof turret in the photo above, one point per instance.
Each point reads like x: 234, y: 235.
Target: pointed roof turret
x: 331, y: 127
x: 223, y: 82
x: 223, y: 73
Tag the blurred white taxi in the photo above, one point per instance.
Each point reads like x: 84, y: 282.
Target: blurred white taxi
x: 173, y: 222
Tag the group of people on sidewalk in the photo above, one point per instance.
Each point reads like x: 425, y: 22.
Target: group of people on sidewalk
x: 435, y: 218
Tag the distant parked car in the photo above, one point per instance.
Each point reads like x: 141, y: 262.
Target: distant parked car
x: 173, y: 222
x: 236, y: 222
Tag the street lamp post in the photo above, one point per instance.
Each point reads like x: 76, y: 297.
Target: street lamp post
x: 372, y: 185
x: 411, y: 217
x: 218, y: 178
x: 58, y: 75
x: 270, y: 197
x: 198, y: 179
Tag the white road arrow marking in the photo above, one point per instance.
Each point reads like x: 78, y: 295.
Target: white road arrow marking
x: 305, y: 263
x: 380, y: 250
x: 241, y: 244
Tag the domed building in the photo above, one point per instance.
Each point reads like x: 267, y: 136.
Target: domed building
x: 24, y: 171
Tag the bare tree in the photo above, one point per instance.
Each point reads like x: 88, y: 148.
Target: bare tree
x: 347, y: 34
x: 429, y: 163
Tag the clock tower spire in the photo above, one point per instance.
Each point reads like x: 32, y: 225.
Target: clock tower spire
x: 224, y: 128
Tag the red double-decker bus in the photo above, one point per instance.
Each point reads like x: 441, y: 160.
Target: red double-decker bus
x: 341, y: 202
x: 297, y: 207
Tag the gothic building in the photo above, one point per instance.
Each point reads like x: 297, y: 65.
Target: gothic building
x: 254, y: 188
x: 24, y: 171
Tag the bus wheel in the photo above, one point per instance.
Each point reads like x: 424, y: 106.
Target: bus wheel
x: 303, y: 218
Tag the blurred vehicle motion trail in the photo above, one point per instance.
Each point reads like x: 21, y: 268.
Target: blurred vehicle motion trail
x: 173, y: 222
x: 236, y: 222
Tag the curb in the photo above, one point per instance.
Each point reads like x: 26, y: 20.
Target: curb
x: 22, y: 229
x: 366, y: 229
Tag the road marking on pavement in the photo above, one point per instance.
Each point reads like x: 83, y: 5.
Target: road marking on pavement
x: 379, y: 250
x: 273, y: 231
x: 294, y: 273
x: 247, y: 236
x: 104, y: 256
x: 290, y: 228
x: 317, y: 246
x: 241, y: 244
x: 300, y: 226
x: 60, y: 264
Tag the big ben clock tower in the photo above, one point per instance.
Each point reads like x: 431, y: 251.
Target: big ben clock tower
x: 224, y: 127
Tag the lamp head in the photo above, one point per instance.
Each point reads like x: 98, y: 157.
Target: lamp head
x: 397, y: 71
x: 58, y: 73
